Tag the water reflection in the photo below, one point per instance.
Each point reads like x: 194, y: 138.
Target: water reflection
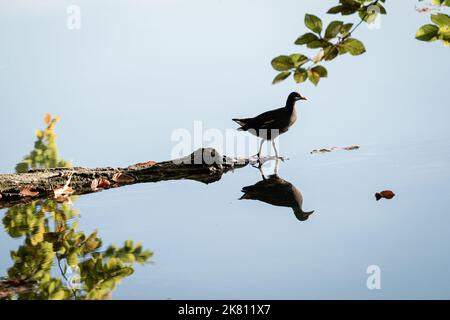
x: 51, y: 238
x: 278, y: 192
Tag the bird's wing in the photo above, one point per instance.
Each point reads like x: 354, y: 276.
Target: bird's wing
x: 268, y: 115
x: 267, y: 124
x: 266, y: 120
x: 269, y: 119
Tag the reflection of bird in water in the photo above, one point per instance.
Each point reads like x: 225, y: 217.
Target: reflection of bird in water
x: 277, y: 192
x: 269, y: 125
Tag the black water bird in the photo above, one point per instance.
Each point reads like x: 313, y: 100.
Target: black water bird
x: 278, y: 192
x: 269, y: 125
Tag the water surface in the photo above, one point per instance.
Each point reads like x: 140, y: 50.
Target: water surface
x: 135, y: 72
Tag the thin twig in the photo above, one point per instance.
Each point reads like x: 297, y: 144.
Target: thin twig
x: 362, y: 19
x: 74, y: 291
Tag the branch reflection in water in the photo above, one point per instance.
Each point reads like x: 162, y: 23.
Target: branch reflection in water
x: 87, y: 269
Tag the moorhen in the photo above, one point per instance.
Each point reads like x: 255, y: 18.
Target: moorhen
x: 271, y: 124
x: 277, y: 192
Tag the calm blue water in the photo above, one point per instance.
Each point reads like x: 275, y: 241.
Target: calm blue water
x: 209, y: 244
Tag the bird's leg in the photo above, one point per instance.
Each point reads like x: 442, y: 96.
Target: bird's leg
x: 259, y: 160
x: 260, y: 148
x: 277, y: 165
x: 276, y: 151
x: 262, y: 172
x: 275, y: 148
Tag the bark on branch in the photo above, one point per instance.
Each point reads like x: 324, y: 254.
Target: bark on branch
x: 204, y: 165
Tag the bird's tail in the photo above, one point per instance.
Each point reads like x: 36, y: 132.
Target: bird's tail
x: 241, y: 122
x: 302, y: 215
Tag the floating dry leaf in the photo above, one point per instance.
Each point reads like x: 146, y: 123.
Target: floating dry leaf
x: 122, y: 178
x: 349, y: 148
x: 320, y: 151
x: 26, y: 191
x: 323, y: 150
x: 326, y: 150
x: 386, y: 194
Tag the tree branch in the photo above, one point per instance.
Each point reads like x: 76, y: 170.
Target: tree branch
x: 205, y: 165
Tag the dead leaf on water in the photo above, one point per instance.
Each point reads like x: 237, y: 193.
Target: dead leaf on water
x: 386, y: 194
x: 423, y: 9
x: 26, y: 191
x: 122, y: 178
x: 320, y: 151
x: 326, y: 150
x: 349, y: 148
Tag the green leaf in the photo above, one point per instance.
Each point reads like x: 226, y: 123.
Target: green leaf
x: 345, y: 29
x: 444, y: 33
x: 128, y: 258
x: 427, y: 32
x: 300, y: 75
x: 349, y: 7
x: 351, y: 3
x: 313, y: 23
x: 128, y: 245
x: 330, y: 53
x: 352, y: 46
x: 314, y: 77
x: 281, y: 76
x: 51, y: 287
x: 321, y: 71
x: 306, y: 38
x: 318, y: 44
x: 436, y: 2
x: 299, y: 59
x: 442, y: 20
x: 58, y: 295
x: 72, y: 259
x: 282, y: 63
x: 382, y: 8
x: 333, y: 29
